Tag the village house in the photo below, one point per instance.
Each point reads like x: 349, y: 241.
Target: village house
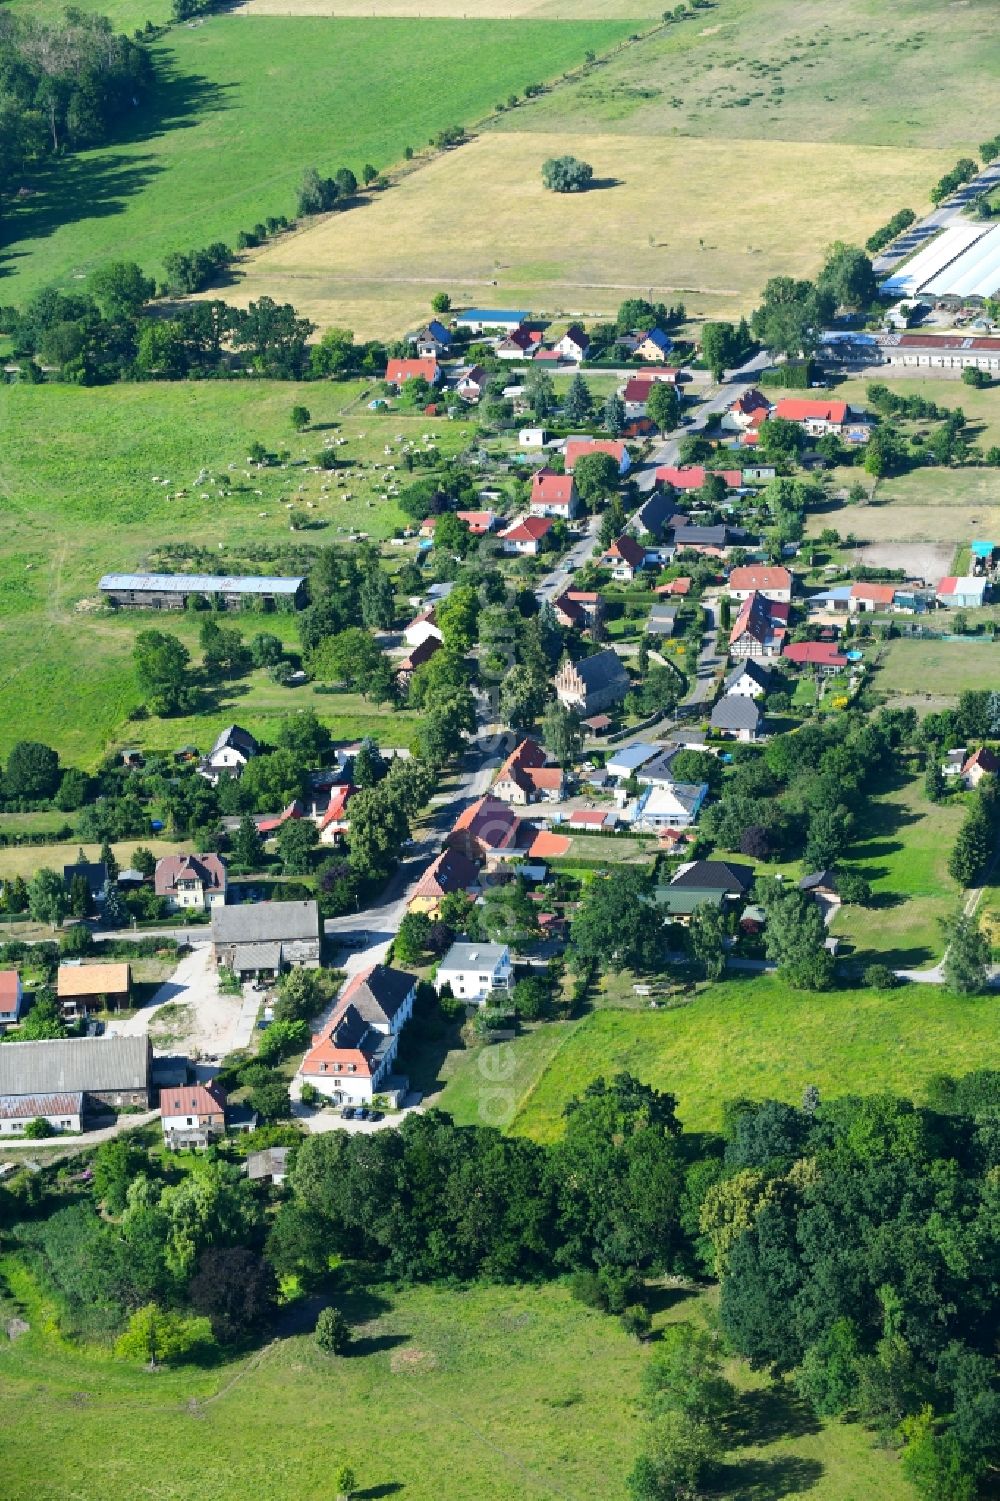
x: 625, y: 557
x: 759, y: 629
x: 488, y: 830
x: 471, y: 383
x: 578, y: 608
x: 709, y: 541
x: 693, y: 476
x: 749, y: 679
x: 982, y: 763
x: 737, y: 716
x: 478, y: 320
x: 635, y: 394
x: 68, y: 1079
x: 593, y: 684
x: 480, y: 523
x: 655, y: 517
x: 526, y: 535
x: 433, y: 342
x: 421, y: 628
x: 269, y: 1166
x: 553, y: 495
x: 449, y: 873
x: 416, y: 658
x: 675, y: 806
x: 11, y: 998
x: 474, y: 970
x: 82, y: 988
x: 699, y: 883
x: 662, y: 620
x: 821, y: 656
x: 398, y: 372
x: 773, y: 583
x: 192, y: 1115
x: 333, y: 823
x: 742, y: 411
x: 679, y: 587
x: 573, y: 345
x: 175, y: 591
x: 191, y: 882
x: 351, y: 1059
x: 652, y: 344
x: 520, y: 344
x: 578, y: 448
x: 264, y: 938
x: 815, y: 416
x: 527, y: 777
x: 229, y: 755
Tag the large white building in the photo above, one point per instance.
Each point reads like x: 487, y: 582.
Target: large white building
x: 474, y: 970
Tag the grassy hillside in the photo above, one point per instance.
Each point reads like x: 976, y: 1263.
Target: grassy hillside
x: 505, y: 1391
x: 82, y: 494
x: 752, y: 1037
x: 245, y: 104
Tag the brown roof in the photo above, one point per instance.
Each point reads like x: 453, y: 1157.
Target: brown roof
x: 192, y: 1099
x: 93, y: 979
x: 209, y: 870
x: 760, y: 578
x: 531, y: 529
x: 32, y: 1106
x: 490, y: 822
x: 420, y: 654
x: 451, y: 871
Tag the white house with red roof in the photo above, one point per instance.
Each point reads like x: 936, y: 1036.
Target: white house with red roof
x: 191, y: 883
x: 421, y: 627
x: 333, y: 823
x: 480, y: 523
x: 11, y: 997
x: 578, y: 448
x: 822, y: 656
x: 817, y: 417
x: 750, y: 408
x: 526, y: 535
x: 192, y: 1115
x: 399, y: 371
x: 759, y: 629
x: 527, y: 776
x: 351, y: 1059
x: 982, y: 763
x: 773, y: 583
x: 553, y: 495
x: 870, y: 599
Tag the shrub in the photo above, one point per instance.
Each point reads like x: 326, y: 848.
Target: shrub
x: 333, y: 1334
x: 566, y: 174
x: 881, y: 977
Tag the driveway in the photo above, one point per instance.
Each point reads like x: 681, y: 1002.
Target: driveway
x: 206, y: 1022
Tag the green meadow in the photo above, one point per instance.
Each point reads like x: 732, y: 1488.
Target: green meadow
x: 82, y: 493
x: 244, y: 104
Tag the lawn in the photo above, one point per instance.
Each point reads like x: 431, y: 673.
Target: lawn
x: 506, y: 1391
x: 661, y: 219
x: 937, y: 671
x: 79, y: 499
x: 773, y: 69
x: 902, y: 848
x: 503, y: 10
x: 748, y: 1037
x: 25, y: 859
x: 245, y: 104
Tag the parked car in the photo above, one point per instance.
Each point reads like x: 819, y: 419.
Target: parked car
x: 348, y: 1112
x: 376, y: 1115
x: 361, y: 1114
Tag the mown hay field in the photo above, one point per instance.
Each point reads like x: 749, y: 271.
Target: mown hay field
x: 704, y: 221
x: 244, y: 104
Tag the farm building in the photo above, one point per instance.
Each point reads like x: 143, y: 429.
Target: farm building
x: 174, y: 591
x: 82, y: 988
x: 962, y: 593
x: 478, y: 319
x: 266, y: 937
x: 955, y: 351
x: 106, y: 1071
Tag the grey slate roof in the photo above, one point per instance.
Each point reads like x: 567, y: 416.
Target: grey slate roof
x: 262, y: 922
x: 604, y: 670
x: 74, y: 1064
x: 381, y: 993
x: 735, y: 713
x: 817, y: 879
x: 94, y: 872
x: 757, y: 671
x: 200, y: 583
x: 239, y: 738
x: 710, y: 536
x: 655, y: 515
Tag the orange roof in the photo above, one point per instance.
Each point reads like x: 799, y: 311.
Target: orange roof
x: 544, y: 776
x: 9, y: 979
x: 676, y: 586
x: 546, y: 846
x: 877, y: 594
x: 552, y: 489
x: 192, y: 1099
x: 397, y: 371
x: 335, y: 812
x: 578, y: 448
x: 760, y: 578
x: 93, y: 979
x: 799, y: 409
x: 477, y: 521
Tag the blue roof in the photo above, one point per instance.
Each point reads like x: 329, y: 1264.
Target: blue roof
x: 494, y: 314
x: 834, y: 596
x: 660, y: 339
x: 439, y: 331
x: 201, y: 583
x: 983, y: 549
x: 634, y: 755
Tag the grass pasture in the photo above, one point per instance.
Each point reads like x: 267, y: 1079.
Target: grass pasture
x: 937, y: 671
x: 508, y: 1391
x: 662, y: 218
x: 750, y: 1037
x: 477, y: 10
x: 245, y: 104
x: 771, y: 70
x: 78, y: 499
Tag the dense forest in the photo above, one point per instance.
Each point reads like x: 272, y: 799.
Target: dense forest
x: 855, y: 1242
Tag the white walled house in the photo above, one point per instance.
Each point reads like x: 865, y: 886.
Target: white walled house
x: 11, y: 997
x: 191, y: 883
x: 474, y: 970
x: 351, y: 1060
x: 229, y: 755
x: 63, y: 1112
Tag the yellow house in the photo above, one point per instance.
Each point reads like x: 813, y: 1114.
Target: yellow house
x: 451, y: 871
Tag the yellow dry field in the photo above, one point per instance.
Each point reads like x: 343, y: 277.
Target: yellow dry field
x: 706, y: 221
x: 462, y: 10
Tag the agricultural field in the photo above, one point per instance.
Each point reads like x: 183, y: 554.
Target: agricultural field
x: 770, y: 70
x: 480, y: 10
x: 491, y: 1376
x: 659, y: 222
x: 25, y: 859
x: 79, y: 499
x: 936, y: 672
x: 743, y: 1038
x: 245, y: 104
